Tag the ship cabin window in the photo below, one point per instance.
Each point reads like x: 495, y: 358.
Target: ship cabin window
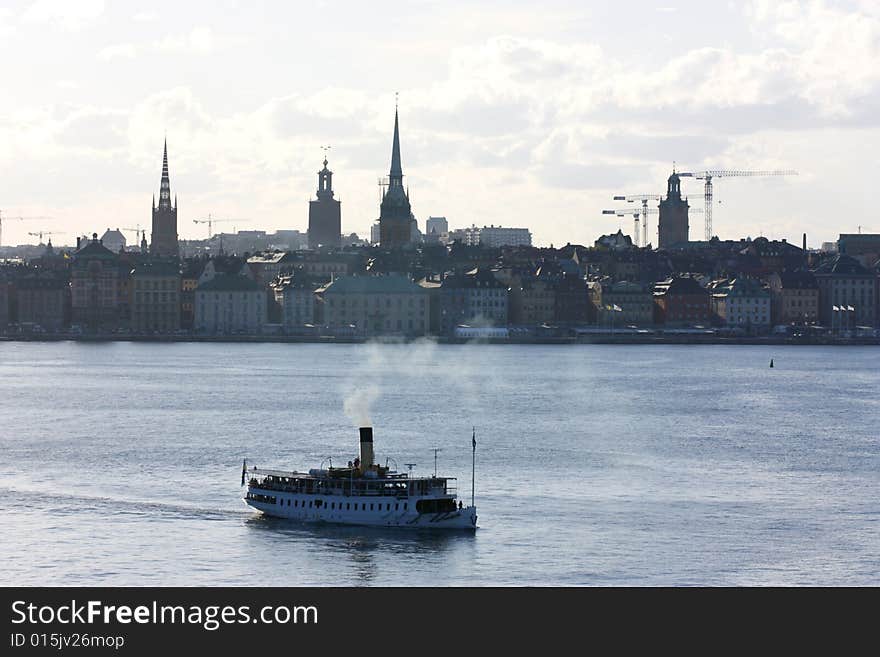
x: 405, y: 506
x: 332, y: 505
x: 371, y: 506
x: 288, y: 502
x: 435, y: 506
x: 310, y: 504
x: 348, y: 506
x: 397, y: 506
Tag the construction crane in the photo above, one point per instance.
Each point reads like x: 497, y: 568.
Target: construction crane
x: 709, y: 174
x: 644, y: 198
x: 137, y: 231
x: 211, y: 221
x: 40, y: 234
x: 15, y: 219
x: 637, y: 213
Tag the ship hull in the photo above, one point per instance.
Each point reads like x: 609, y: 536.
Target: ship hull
x: 376, y: 512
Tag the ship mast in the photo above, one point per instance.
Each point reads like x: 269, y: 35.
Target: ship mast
x: 473, y: 464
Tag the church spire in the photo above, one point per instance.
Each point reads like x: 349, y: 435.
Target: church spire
x: 165, y: 183
x: 396, y: 175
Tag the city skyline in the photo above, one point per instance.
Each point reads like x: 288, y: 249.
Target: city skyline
x: 510, y: 116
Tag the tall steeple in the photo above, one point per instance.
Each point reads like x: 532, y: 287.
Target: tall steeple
x: 325, y: 182
x: 396, y: 221
x: 325, y: 214
x: 164, y: 234
x: 165, y: 183
x: 396, y: 175
x: 672, y: 226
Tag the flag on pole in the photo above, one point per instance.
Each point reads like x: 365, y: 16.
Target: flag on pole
x: 474, y: 439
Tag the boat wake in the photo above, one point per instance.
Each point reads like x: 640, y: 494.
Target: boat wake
x: 64, y: 502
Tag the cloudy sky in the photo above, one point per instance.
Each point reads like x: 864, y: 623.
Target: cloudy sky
x: 514, y: 113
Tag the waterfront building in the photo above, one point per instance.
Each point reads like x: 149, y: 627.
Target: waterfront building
x: 95, y: 284
x: 432, y: 286
x: 224, y: 265
x: 325, y: 214
x: 673, y: 222
x: 391, y: 304
x: 681, y: 301
x: 395, y: 214
x: 845, y: 283
x: 573, y: 303
x: 325, y: 266
x: 295, y: 295
x: 156, y: 297
x: 476, y: 298
x: 229, y: 304
x: 41, y: 300
x: 794, y: 297
x: 532, y: 300
x: 163, y: 239
x: 113, y: 240
x: 268, y: 265
x: 189, y: 280
x: 635, y: 300
x: 741, y: 303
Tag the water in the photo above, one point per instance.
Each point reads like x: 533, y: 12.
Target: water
x: 596, y: 465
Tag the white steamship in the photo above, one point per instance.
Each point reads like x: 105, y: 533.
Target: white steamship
x: 363, y: 493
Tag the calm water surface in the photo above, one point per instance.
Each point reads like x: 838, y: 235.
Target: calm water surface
x: 120, y: 463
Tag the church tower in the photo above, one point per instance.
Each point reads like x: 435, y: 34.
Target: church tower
x: 163, y: 240
x: 395, y: 214
x: 325, y: 214
x: 673, y: 224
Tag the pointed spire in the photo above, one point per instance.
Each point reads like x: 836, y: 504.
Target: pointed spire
x: 396, y: 174
x: 165, y: 182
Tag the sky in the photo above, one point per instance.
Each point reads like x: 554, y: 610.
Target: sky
x: 519, y: 114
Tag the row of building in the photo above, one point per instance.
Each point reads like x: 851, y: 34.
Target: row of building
x: 747, y: 285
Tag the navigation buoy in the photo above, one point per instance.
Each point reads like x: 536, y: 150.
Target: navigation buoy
x: 771, y: 362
